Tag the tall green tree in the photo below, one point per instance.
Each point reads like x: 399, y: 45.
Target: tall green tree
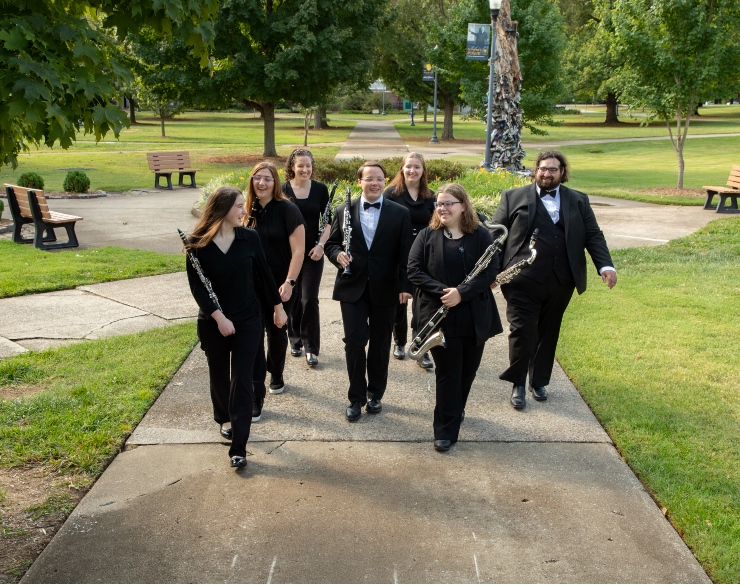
x: 295, y: 50
x: 676, y: 53
x: 57, y: 68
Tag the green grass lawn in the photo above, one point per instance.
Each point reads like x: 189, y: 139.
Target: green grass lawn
x: 656, y: 360
x: 25, y: 269
x: 119, y: 165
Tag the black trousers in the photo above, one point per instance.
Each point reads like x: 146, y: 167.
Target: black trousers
x: 366, y: 322
x: 455, y: 369
x: 535, y: 312
x: 230, y: 361
x: 304, y: 327
x: 277, y: 344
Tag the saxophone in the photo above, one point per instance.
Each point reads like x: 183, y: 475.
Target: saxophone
x: 199, y: 269
x: 509, y: 274
x: 430, y: 335
x: 347, y: 231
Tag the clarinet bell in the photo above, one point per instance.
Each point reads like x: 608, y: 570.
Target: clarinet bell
x: 347, y: 273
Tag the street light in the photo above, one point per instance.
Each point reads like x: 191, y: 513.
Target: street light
x: 434, y: 132
x: 495, y: 8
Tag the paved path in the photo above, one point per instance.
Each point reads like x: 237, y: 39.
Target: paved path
x: 536, y: 496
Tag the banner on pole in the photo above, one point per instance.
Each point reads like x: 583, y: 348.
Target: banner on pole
x: 479, y: 39
x: 427, y: 73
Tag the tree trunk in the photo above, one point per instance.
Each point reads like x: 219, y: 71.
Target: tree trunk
x: 306, y: 124
x: 319, y: 118
x: 132, y: 110
x: 268, y: 113
x: 426, y: 109
x: 611, y: 109
x: 161, y: 119
x: 449, y: 110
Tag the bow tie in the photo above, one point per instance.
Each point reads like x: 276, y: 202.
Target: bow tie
x: 365, y: 205
x: 544, y: 193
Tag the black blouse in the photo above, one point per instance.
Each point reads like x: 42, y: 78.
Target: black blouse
x: 233, y: 276
x: 312, y: 208
x: 421, y: 210
x: 275, y: 223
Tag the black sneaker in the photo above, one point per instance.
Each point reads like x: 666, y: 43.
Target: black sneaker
x: 257, y: 410
x: 277, y: 387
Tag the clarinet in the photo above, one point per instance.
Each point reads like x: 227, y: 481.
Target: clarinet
x: 199, y: 269
x: 326, y: 217
x: 252, y: 221
x: 347, y: 231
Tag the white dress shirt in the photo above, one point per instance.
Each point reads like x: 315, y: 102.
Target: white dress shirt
x: 369, y: 220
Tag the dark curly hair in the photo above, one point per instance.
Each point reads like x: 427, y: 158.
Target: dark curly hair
x: 289, y: 172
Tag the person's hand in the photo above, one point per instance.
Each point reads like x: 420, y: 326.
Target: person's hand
x: 286, y: 291
x: 343, y: 259
x: 451, y: 297
x: 316, y: 253
x: 609, y: 277
x: 404, y: 298
x: 225, y: 326
x: 280, y: 318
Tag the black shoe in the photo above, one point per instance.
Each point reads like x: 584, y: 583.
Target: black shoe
x: 277, y: 387
x: 257, y: 409
x: 296, y: 351
x: 354, y: 411
x: 518, y: 399
x: 373, y: 406
x: 238, y: 461
x: 311, y: 359
x: 226, y: 433
x: 442, y: 445
x: 539, y: 393
x: 426, y: 362
x: 399, y: 352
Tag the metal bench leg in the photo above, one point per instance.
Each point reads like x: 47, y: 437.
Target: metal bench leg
x: 723, y: 208
x: 167, y: 176
x: 192, y: 180
x: 708, y: 202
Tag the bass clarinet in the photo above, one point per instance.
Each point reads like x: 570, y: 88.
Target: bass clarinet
x: 326, y: 217
x: 252, y: 220
x: 199, y: 269
x: 347, y: 231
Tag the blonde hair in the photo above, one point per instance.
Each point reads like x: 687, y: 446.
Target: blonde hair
x: 399, y: 181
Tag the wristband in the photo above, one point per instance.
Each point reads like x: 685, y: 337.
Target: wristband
x: 320, y: 244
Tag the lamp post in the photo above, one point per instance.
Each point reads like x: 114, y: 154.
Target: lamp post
x: 434, y: 132
x: 412, y: 115
x: 383, y: 112
x: 495, y: 6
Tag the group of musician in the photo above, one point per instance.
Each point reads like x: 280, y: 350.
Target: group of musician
x: 264, y: 258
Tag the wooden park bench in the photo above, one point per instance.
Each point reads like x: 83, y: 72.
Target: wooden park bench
x: 30, y: 206
x: 731, y: 191
x: 163, y: 164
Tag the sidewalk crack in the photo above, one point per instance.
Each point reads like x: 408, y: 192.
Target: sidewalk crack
x: 270, y: 452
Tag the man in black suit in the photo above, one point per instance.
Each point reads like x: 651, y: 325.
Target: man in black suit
x: 536, y: 299
x: 379, y: 250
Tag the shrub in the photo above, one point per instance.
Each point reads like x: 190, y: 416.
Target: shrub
x: 76, y: 182
x: 31, y: 181
x: 328, y: 170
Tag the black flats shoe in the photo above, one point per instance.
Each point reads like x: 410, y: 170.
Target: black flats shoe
x: 442, y: 445
x: 226, y: 433
x: 238, y: 461
x: 539, y: 393
x: 354, y: 411
x: 296, y: 351
x: 312, y: 360
x: 518, y: 399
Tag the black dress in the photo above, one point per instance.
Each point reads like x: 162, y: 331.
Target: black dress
x: 234, y: 276
x: 304, y: 328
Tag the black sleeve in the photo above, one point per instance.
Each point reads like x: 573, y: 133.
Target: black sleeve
x: 406, y: 238
x: 292, y: 217
x: 288, y: 190
x: 262, y: 273
x: 200, y: 294
x: 417, y: 266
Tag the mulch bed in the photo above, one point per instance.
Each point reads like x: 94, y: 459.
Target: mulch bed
x: 69, y: 195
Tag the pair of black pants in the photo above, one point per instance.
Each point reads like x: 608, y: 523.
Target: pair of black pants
x: 535, y: 312
x: 455, y: 369
x: 304, y: 327
x: 277, y: 344
x: 366, y: 322
x: 230, y: 360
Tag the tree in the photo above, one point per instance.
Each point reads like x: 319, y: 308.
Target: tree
x: 676, y: 53
x: 56, y: 71
x: 298, y: 51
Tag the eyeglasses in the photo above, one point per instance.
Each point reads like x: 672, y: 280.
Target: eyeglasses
x: 371, y: 180
x: 445, y: 204
x: 551, y: 170
x: 258, y: 179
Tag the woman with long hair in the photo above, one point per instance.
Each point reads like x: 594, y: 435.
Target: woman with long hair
x: 410, y: 188
x: 441, y: 258
x: 311, y: 197
x: 231, y: 257
x: 279, y: 224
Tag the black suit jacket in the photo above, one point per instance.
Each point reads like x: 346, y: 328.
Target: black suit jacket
x: 383, y: 266
x: 427, y: 272
x: 517, y: 210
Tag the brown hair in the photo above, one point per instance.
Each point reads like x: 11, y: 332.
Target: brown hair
x: 217, y: 207
x: 468, y: 220
x: 277, y: 191
x: 289, y: 172
x: 399, y: 181
x: 370, y: 163
x: 545, y: 154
